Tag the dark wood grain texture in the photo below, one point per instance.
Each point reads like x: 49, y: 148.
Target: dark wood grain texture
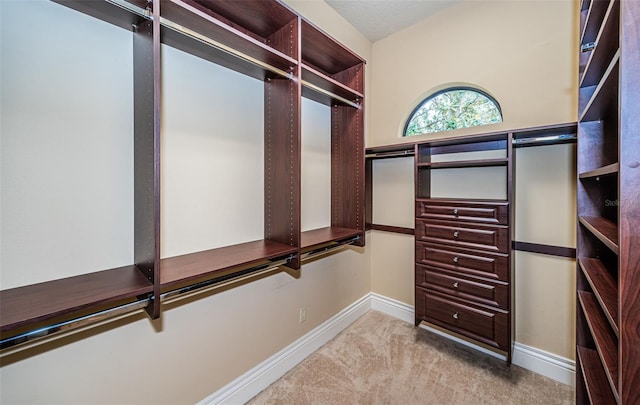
x: 485, y: 324
x: 595, y: 380
x: 465, y: 163
x: 629, y: 204
x: 317, y: 237
x: 604, y: 288
x: 494, y: 266
x: 282, y: 163
x: 105, y: 11
x: 488, y: 292
x: 393, y: 229
x: 493, y: 238
x: 323, y: 53
x: 550, y: 250
x: 606, y: 45
x: 603, y: 337
x: 314, y: 77
x: 607, y: 170
x: 605, y: 230
x: 194, y: 266
x: 600, y: 101
x: 40, y: 302
x: 593, y: 22
x: 468, y: 211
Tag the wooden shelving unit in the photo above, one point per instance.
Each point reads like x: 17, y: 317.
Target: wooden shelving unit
x: 262, y: 39
x: 608, y: 309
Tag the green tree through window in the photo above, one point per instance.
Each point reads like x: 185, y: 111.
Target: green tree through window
x: 453, y: 108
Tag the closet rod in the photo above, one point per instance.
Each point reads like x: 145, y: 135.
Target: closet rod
x: 132, y: 8
x: 208, y: 41
x: 327, y: 249
x: 329, y: 94
x: 380, y: 155
x: 545, y: 140
x: 51, y: 332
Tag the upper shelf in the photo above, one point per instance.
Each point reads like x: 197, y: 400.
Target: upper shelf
x: 607, y: 43
x: 597, y: 101
x: 31, y: 304
x: 601, y: 171
x: 466, y: 163
x: 318, y: 237
x: 603, y: 229
x: 122, y: 13
x: 595, y: 15
x: 222, y: 32
x: 188, y: 268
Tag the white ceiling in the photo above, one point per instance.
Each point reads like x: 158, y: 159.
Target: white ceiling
x: 377, y: 19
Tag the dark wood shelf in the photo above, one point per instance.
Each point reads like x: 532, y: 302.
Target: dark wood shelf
x: 604, y: 288
x: 318, y: 237
x: 604, y: 96
x: 603, y: 229
x: 595, y: 15
x: 595, y: 379
x: 606, y: 45
x: 332, y: 90
x: 32, y: 304
x: 322, y: 53
x: 601, y: 171
x: 603, y: 337
x: 178, y: 270
x: 106, y: 11
x: 193, y: 28
x: 465, y: 163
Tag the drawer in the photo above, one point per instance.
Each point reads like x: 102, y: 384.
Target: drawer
x: 489, y: 326
x: 475, y: 211
x: 466, y: 287
x: 473, y: 262
x: 474, y: 236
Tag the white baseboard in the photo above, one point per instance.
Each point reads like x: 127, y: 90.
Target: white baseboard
x: 548, y: 364
x: 264, y: 374
x: 539, y: 361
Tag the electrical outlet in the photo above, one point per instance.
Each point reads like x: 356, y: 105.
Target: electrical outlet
x: 303, y: 314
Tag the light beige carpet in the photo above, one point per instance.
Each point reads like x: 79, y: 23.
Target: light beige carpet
x: 382, y: 360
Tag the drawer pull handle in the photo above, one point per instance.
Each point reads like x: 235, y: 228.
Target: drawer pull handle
x: 456, y: 234
x: 455, y: 211
x: 455, y: 284
x: 455, y: 259
x: 455, y: 315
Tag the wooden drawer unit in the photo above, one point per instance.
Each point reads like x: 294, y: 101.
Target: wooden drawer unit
x: 472, y: 211
x: 474, y: 262
x: 468, y: 235
x: 495, y: 293
x: 485, y: 324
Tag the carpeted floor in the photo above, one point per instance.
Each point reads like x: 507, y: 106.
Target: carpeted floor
x: 382, y: 360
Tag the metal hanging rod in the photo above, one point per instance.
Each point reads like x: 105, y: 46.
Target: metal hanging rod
x: 327, y: 249
x: 34, y: 337
x: 545, y: 139
x: 132, y: 8
x: 399, y: 153
x: 329, y: 94
x: 222, y: 47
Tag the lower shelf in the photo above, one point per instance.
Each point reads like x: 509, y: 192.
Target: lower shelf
x: 318, y: 237
x: 594, y: 377
x: 32, y: 304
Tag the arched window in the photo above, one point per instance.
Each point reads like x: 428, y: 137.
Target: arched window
x: 453, y: 108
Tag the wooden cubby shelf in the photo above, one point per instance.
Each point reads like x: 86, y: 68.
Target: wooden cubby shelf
x: 601, y: 171
x: 604, y: 288
x: 595, y: 380
x: 606, y: 46
x: 178, y: 270
x: 603, y: 229
x: 604, y: 95
x: 595, y: 14
x: 318, y: 237
x: 262, y: 39
x: 605, y: 341
x: 32, y: 304
x: 226, y: 33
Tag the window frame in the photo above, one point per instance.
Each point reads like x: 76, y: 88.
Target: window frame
x: 446, y: 90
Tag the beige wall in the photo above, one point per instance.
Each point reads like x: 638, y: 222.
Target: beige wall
x: 520, y: 52
x: 203, y: 343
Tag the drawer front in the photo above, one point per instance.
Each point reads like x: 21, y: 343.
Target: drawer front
x: 485, y: 212
x: 466, y: 287
x: 483, y: 324
x: 474, y: 236
x: 483, y: 264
